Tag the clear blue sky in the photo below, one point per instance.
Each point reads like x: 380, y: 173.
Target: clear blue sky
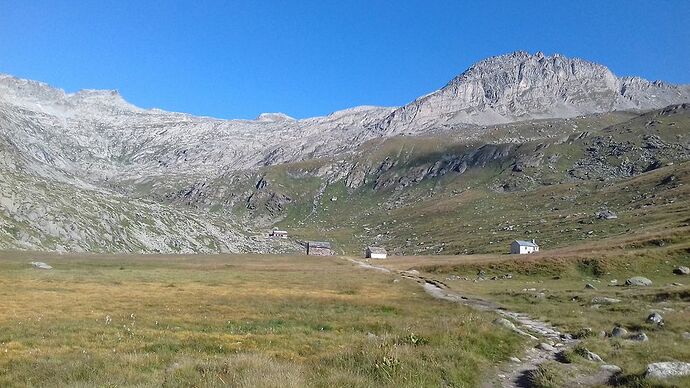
x: 236, y: 59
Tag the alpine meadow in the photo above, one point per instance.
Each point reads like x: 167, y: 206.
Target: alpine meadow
x: 525, y: 225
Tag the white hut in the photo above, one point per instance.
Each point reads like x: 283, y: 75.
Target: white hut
x: 376, y: 253
x: 279, y: 234
x: 521, y: 247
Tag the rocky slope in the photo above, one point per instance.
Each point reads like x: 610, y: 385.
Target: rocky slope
x: 89, y: 171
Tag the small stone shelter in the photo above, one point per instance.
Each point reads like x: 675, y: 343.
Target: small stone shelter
x: 319, y: 248
x: 375, y: 253
x: 522, y: 247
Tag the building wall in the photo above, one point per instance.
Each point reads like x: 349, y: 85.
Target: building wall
x: 514, y: 249
x: 518, y: 249
x: 376, y: 255
x: 311, y: 251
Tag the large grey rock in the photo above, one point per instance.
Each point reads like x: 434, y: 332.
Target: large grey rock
x: 618, y: 332
x: 40, y: 265
x: 639, y: 337
x: 606, y: 215
x: 665, y: 370
x: 655, y: 318
x: 504, y: 323
x: 591, y: 356
x: 611, y: 368
x: 638, y: 281
x: 546, y: 347
x: 682, y: 270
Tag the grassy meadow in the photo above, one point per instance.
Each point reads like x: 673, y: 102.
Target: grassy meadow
x: 233, y: 321
x: 550, y: 286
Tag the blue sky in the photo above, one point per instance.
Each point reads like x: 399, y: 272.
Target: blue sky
x: 236, y: 59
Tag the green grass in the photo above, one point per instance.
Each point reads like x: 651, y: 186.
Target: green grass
x: 238, y: 320
x: 561, y: 275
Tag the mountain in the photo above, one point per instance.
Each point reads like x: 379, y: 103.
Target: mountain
x: 90, y: 171
x: 520, y: 86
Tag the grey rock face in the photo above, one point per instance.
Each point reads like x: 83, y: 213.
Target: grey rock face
x: 682, y: 270
x: 665, y: 370
x: 638, y: 281
x: 520, y: 86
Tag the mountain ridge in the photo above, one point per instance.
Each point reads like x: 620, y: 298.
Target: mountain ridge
x: 94, y: 148
x: 485, y: 94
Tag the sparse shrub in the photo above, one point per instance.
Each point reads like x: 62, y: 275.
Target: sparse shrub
x: 414, y: 340
x: 592, y: 267
x: 585, y: 332
x: 546, y: 375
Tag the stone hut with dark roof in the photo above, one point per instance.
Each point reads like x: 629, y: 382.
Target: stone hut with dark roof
x: 318, y: 248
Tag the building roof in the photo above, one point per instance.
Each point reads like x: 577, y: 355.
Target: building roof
x: 319, y: 244
x: 377, y: 250
x: 526, y: 243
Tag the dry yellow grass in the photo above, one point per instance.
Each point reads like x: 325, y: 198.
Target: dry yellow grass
x: 113, y: 320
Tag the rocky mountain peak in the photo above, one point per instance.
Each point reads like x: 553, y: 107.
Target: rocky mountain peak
x: 521, y: 86
x: 274, y: 117
x: 522, y: 70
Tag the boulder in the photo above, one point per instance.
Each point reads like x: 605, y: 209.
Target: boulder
x: 40, y: 265
x: 682, y: 270
x: 591, y: 356
x: 686, y: 335
x: 655, y: 318
x: 618, y: 332
x: 606, y: 215
x: 639, y: 337
x: 504, y: 323
x: 665, y: 370
x: 589, y: 286
x: 611, y: 368
x: 546, y: 347
x: 638, y: 281
x: 604, y: 300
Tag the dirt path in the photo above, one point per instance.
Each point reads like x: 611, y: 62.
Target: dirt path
x: 515, y: 373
